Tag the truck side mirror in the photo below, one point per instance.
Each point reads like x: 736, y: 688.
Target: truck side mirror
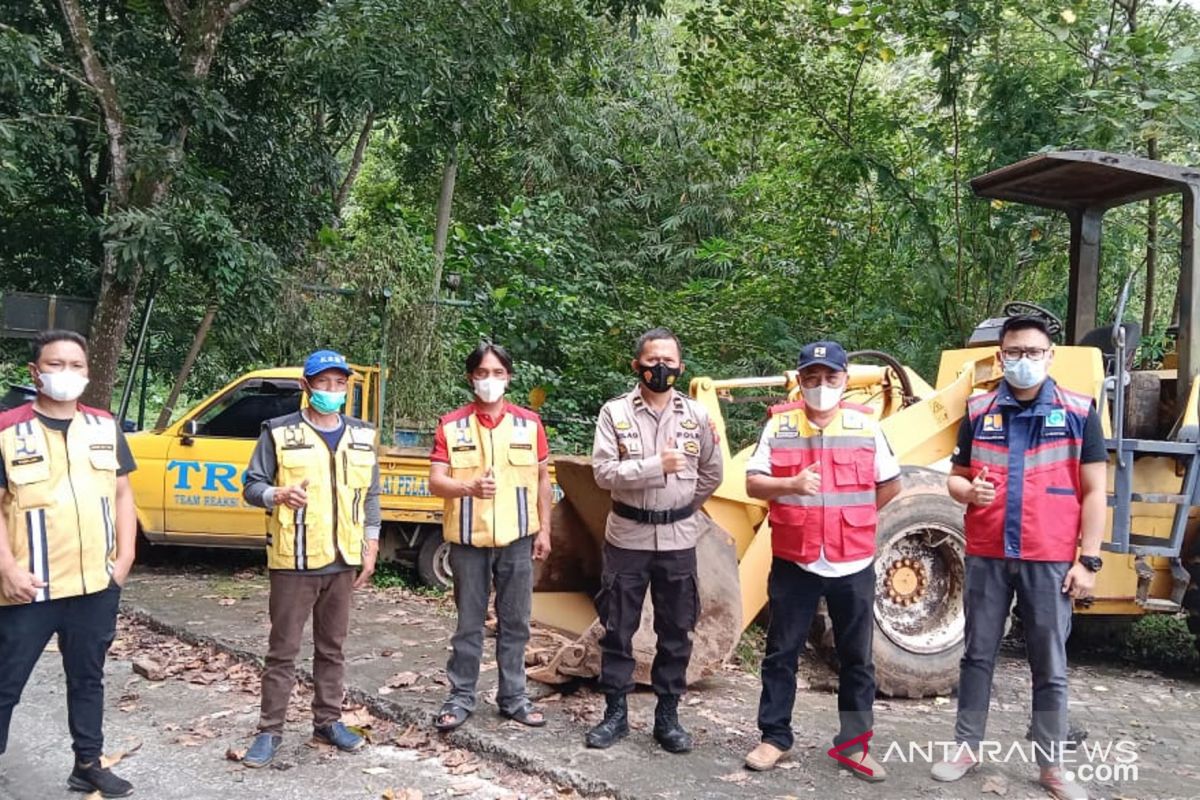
x: 191, y: 428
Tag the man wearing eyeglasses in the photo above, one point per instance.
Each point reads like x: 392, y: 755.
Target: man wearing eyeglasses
x: 1030, y: 469
x: 825, y: 468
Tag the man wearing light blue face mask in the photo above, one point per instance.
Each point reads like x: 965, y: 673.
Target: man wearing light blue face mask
x: 1030, y: 467
x: 316, y: 473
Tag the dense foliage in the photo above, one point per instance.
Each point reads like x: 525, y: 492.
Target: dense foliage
x: 753, y: 173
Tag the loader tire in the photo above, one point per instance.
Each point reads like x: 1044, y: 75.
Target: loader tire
x: 1191, y: 602
x: 433, y: 561
x: 919, y: 572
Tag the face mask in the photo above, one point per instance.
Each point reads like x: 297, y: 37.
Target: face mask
x: 822, y: 398
x: 64, y: 386
x: 326, y: 402
x: 1022, y: 373
x: 658, y: 378
x: 489, y: 390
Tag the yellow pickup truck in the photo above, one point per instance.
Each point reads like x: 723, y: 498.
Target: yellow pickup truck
x: 188, y: 484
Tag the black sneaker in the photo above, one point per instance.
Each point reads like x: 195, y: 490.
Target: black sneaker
x: 95, y: 778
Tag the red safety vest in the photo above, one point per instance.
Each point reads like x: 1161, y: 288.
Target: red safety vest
x: 1032, y: 457
x: 842, y: 517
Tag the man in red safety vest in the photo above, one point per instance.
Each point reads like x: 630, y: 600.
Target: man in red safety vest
x: 1030, y: 467
x: 825, y: 469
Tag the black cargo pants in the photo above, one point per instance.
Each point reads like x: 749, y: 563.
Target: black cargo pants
x: 671, y: 577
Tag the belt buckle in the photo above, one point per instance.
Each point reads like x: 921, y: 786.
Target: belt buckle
x: 659, y: 517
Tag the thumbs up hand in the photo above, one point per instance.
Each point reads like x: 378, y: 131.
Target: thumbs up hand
x: 484, y: 487
x: 673, y: 459
x: 983, y: 492
x: 294, y: 497
x: 808, y: 481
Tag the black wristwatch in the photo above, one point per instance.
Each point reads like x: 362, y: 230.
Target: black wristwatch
x: 1093, y: 563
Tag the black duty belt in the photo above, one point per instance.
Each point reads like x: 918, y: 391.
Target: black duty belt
x: 652, y: 517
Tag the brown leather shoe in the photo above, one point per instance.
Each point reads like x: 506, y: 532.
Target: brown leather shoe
x: 764, y: 757
x: 878, y: 773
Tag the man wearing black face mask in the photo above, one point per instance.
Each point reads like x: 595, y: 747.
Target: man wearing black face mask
x: 656, y: 452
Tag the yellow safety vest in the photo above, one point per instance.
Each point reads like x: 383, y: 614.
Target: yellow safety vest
x: 333, y: 522
x: 60, y: 506
x: 510, y: 451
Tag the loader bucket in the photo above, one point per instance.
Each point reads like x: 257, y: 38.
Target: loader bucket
x: 566, y: 583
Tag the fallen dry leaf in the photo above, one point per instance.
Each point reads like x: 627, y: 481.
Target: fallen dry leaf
x: 358, y: 716
x: 402, y: 679
x: 109, y: 761
x: 468, y: 786
x: 996, y: 784
x: 376, y: 770
x: 227, y: 601
x: 235, y: 755
x: 405, y: 793
x: 735, y: 777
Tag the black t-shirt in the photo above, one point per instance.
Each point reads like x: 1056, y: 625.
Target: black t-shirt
x: 125, y: 462
x: 1092, y: 451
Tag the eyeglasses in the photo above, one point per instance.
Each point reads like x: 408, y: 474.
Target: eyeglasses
x: 1032, y: 353
x: 833, y: 380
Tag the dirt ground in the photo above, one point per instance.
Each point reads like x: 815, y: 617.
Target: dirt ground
x: 397, y: 650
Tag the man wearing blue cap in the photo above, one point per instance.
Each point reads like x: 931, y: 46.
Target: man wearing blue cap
x: 316, y: 473
x: 824, y: 468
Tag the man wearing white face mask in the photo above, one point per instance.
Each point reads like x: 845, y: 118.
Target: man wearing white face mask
x: 825, y: 469
x: 1030, y: 467
x: 67, y: 537
x: 490, y: 462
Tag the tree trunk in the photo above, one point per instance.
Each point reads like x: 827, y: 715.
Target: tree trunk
x: 110, y: 323
x: 164, y: 416
x: 442, y: 230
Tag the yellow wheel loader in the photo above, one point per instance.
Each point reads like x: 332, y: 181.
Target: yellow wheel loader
x: 1151, y: 423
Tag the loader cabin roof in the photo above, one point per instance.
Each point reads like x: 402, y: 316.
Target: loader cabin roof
x: 1079, y: 179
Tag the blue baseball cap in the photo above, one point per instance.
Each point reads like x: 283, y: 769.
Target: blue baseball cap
x: 827, y: 354
x: 322, y: 360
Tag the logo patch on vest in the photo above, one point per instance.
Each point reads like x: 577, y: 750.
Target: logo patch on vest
x: 522, y: 433
x: 852, y: 420
x: 787, y: 429
x: 20, y: 462
x: 691, y: 448
x: 1057, y: 418
x: 993, y: 423
x: 688, y: 424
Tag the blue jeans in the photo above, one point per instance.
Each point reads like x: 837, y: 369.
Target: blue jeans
x: 792, y: 596
x: 86, y: 626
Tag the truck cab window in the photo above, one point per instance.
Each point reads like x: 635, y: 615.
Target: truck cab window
x: 240, y: 412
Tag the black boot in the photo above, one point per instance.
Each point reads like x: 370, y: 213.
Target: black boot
x: 667, y: 730
x: 614, y: 726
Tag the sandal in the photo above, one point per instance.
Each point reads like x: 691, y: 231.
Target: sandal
x: 525, y: 714
x: 455, y: 713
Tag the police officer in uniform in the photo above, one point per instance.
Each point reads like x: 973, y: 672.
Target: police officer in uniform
x: 1031, y: 469
x: 67, y: 535
x: 316, y: 473
x: 656, y: 452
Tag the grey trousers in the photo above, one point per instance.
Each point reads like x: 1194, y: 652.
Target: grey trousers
x: 1046, y: 617
x: 476, y: 570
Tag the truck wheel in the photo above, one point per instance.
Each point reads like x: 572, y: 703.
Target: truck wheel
x: 919, y: 575
x: 433, y: 561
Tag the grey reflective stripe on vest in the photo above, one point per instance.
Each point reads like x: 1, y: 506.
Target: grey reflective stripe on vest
x: 39, y: 555
x: 466, y: 512
x: 109, y: 535
x: 832, y: 500
x: 301, y: 539
x: 988, y: 456
x: 821, y: 442
x: 1055, y: 453
x: 522, y: 511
